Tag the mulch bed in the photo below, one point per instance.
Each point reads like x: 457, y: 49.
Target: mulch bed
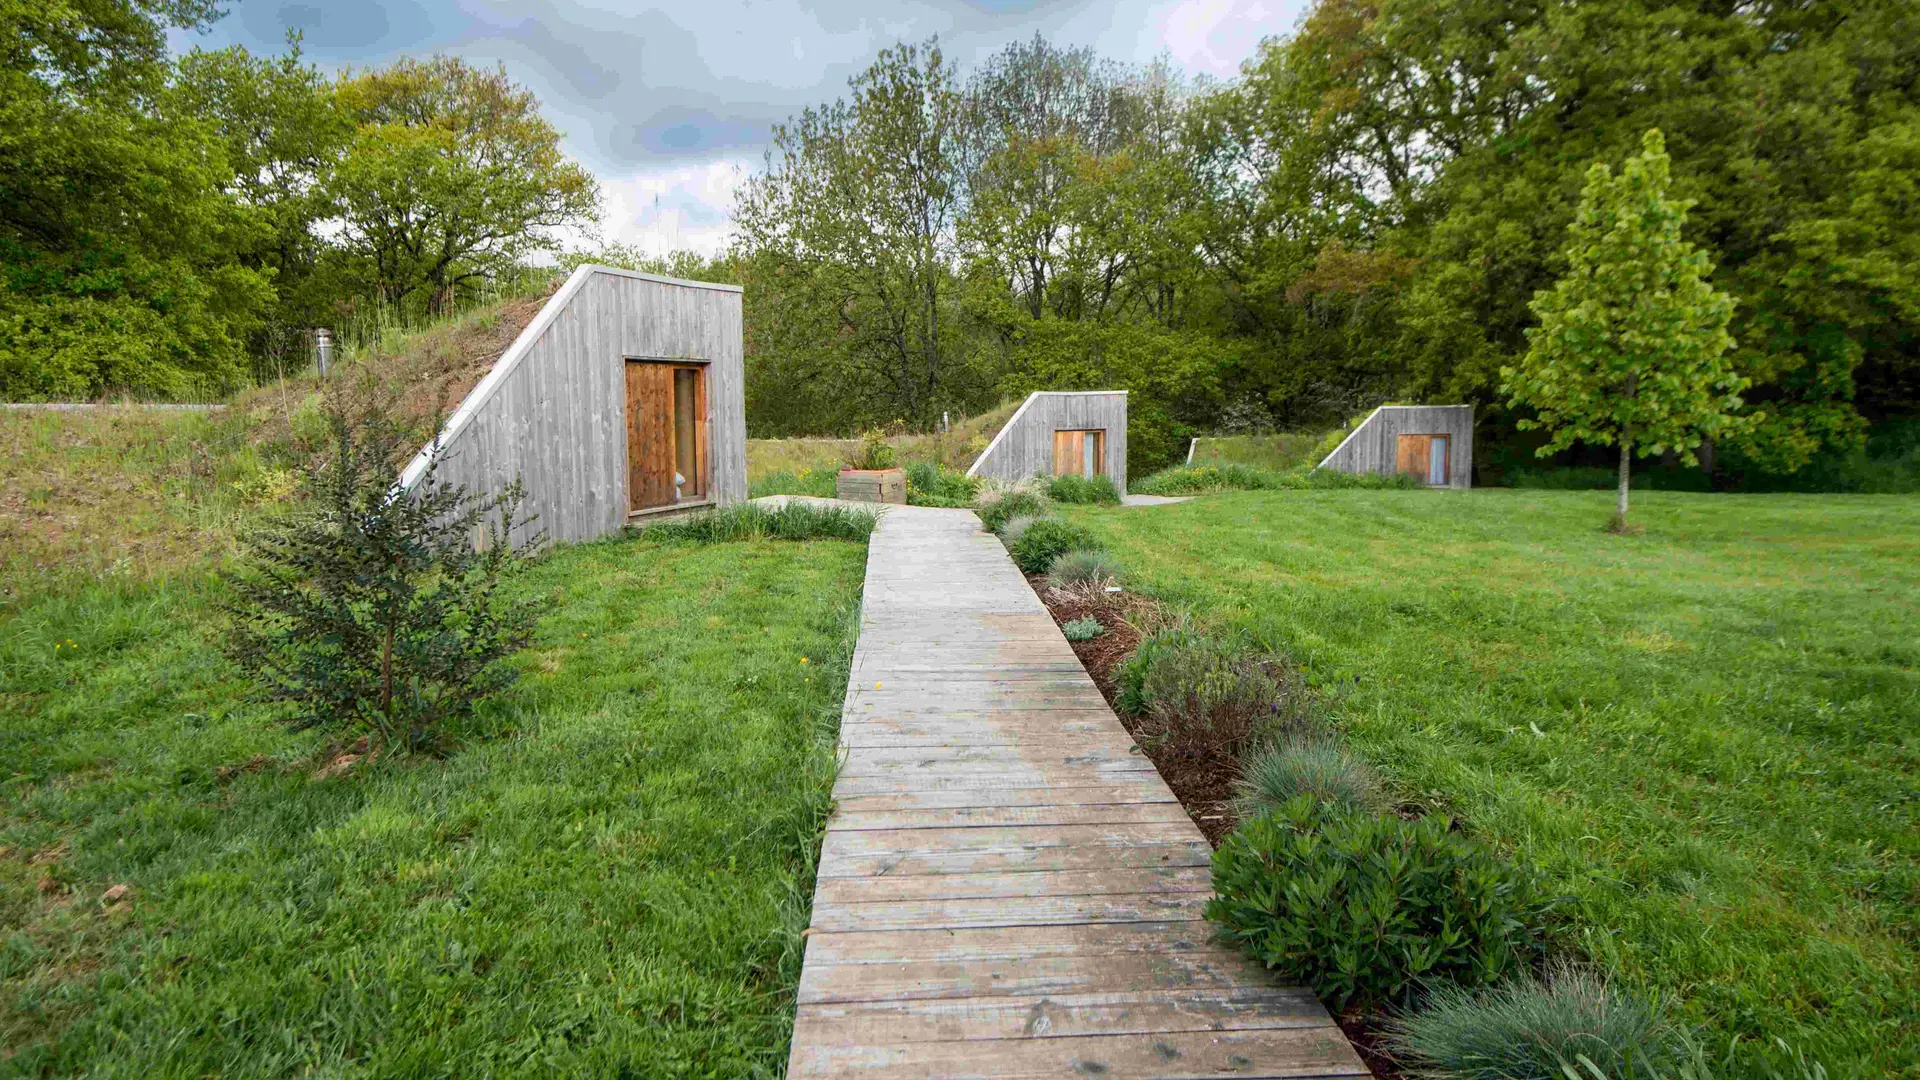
x: 1202, y: 783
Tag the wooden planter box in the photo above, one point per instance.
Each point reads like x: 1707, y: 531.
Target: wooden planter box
x: 872, y: 485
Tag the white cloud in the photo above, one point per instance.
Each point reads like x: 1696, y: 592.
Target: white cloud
x: 684, y: 207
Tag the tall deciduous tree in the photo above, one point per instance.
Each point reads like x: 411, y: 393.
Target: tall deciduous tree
x: 1632, y: 344
x: 451, y: 176
x: 854, y: 223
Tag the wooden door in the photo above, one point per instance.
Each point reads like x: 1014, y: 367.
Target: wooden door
x: 1080, y: 453
x: 1423, y: 456
x: 666, y: 434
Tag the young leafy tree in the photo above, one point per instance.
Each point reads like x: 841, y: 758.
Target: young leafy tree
x: 451, y: 175
x: 372, y: 609
x: 1632, y: 342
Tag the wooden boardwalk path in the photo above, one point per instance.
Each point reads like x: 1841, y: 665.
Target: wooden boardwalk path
x: 1007, y: 888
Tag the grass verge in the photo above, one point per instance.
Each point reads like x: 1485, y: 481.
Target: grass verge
x: 1703, y: 734
x: 610, y: 878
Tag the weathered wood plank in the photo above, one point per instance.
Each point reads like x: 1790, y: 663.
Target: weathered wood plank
x: 910, y: 914
x: 1129, y: 1012
x: 889, y: 887
x: 1283, y: 1052
x: 1124, y: 813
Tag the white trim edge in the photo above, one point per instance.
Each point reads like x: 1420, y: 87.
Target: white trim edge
x: 490, y: 383
x: 1015, y: 418
x: 1362, y: 426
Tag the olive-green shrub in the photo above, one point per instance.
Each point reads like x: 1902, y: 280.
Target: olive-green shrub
x: 1363, y: 909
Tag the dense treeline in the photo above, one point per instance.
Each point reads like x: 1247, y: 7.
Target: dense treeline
x: 1363, y: 216
x: 173, y: 225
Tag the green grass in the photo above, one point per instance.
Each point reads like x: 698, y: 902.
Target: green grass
x: 608, y: 878
x: 1276, y: 453
x: 1705, y: 734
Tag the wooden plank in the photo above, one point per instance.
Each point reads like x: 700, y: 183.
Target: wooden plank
x: 1285, y: 1052
x: 929, y: 980
x: 873, y: 890
x: 1128, y: 1012
x: 909, y: 914
x: 1133, y: 790
x: 839, y: 862
x: 1020, y: 943
x: 1129, y: 813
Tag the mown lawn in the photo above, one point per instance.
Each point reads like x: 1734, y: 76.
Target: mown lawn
x: 1706, y: 735
x: 608, y: 877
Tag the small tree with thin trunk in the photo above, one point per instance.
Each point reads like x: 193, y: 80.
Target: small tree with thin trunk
x: 374, y: 610
x: 1632, y: 342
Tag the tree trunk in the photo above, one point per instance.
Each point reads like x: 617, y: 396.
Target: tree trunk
x: 1626, y: 456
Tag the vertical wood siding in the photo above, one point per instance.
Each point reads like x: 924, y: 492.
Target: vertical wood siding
x: 553, y: 410
x: 1025, y: 446
x: 1374, y: 445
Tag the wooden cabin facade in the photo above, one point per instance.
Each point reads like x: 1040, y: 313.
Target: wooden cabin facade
x: 1054, y: 433
x: 625, y: 397
x: 1433, y: 443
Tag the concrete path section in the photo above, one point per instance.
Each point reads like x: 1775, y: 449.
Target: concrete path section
x: 1007, y: 888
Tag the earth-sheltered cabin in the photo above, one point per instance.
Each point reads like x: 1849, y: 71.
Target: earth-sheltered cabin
x: 624, y: 397
x: 1058, y: 433
x: 1433, y: 443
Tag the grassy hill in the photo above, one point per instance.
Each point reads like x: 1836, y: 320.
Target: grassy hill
x: 1705, y: 735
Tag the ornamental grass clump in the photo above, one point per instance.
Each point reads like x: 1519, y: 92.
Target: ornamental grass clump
x: 1528, y: 1029
x: 1311, y: 763
x: 1045, y: 540
x: 995, y: 504
x: 752, y: 521
x: 1083, y: 489
x: 1083, y: 566
x: 928, y: 484
x: 374, y: 610
x: 1365, y: 909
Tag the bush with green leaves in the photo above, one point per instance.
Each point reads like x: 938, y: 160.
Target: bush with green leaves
x: 928, y: 484
x: 1528, y: 1029
x: 1083, y: 489
x: 370, y: 609
x: 1013, y: 527
x: 1200, y: 695
x: 873, y: 451
x: 753, y: 521
x: 1364, y: 909
x: 1306, y: 763
x: 1084, y: 565
x: 1046, y: 540
x: 996, y: 505
x: 1085, y: 628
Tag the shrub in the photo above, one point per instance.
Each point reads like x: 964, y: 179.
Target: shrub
x: 1083, y: 489
x: 1083, y: 565
x: 1362, y: 909
x: 996, y: 505
x: 752, y: 521
x: 1306, y: 764
x: 930, y: 485
x: 1085, y: 628
x: 369, y: 609
x: 874, y: 451
x: 1045, y: 540
x: 1530, y: 1030
x: 1200, y: 695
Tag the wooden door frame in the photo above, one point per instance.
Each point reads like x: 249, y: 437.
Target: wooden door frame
x: 703, y: 431
x: 1099, y: 456
x: 1426, y: 469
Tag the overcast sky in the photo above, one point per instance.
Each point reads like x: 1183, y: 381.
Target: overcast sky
x: 669, y: 103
